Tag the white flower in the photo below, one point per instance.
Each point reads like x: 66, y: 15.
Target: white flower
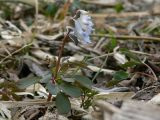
x: 83, y: 27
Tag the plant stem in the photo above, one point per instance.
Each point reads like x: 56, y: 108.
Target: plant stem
x: 100, y: 68
x: 50, y: 95
x: 54, y: 76
x: 60, y: 55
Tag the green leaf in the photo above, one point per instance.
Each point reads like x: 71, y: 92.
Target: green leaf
x: 130, y: 64
x: 53, y: 89
x: 119, y: 7
x: 78, y: 63
x: 68, y: 79
x: 25, y: 82
x: 112, y: 43
x: 68, y: 65
x: 130, y: 54
x: 70, y: 90
x: 62, y: 103
x: 83, y: 80
x: 120, y: 75
x: 51, y: 10
x: 46, y: 78
x: 117, y: 77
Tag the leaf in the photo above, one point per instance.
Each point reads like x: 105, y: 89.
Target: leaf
x: 62, y: 103
x: 51, y: 10
x: 70, y: 90
x: 112, y: 43
x: 53, y: 89
x: 130, y: 54
x: 83, y: 80
x: 68, y: 65
x: 35, y: 68
x: 120, y: 75
x: 25, y: 82
x: 78, y: 63
x: 68, y: 79
x: 129, y: 64
x: 46, y: 78
x: 119, y: 7
x: 117, y: 77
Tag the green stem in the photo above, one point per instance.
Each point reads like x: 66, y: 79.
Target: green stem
x: 100, y: 69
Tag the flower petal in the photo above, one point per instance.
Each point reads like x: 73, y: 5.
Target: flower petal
x: 83, y: 27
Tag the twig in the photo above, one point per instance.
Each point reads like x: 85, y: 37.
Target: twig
x: 7, y: 93
x: 7, y: 51
x: 107, y: 106
x: 95, y: 2
x: 16, y: 104
x: 100, y: 68
x: 126, y: 37
x: 36, y: 14
x: 99, y: 43
x: 30, y: 2
x: 2, y: 55
x: 90, y: 50
x: 146, y: 75
x: 125, y: 14
x: 142, y: 53
x: 104, y: 55
x: 94, y: 68
x: 154, y: 75
x: 110, y: 54
x: 15, y: 52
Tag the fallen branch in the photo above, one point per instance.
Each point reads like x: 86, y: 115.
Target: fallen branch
x: 126, y: 37
x: 30, y: 2
x: 125, y: 14
x: 101, y: 3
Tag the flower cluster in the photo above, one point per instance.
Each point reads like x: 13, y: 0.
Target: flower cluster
x: 83, y: 27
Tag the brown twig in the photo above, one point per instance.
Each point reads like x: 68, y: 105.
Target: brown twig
x: 125, y: 14
x: 125, y: 37
x: 154, y: 75
x: 15, y: 52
